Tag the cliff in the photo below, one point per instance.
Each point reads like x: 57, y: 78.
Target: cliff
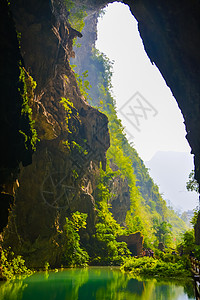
x: 73, y: 135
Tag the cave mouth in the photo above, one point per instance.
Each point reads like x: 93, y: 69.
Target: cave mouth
x: 151, y: 117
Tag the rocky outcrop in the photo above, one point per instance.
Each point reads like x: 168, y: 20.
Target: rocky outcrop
x: 197, y: 230
x: 134, y: 242
x: 73, y: 138
x: 120, y: 200
x: 13, y: 148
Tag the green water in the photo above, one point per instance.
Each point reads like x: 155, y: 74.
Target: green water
x: 93, y: 283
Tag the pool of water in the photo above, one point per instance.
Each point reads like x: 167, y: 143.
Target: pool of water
x: 93, y: 283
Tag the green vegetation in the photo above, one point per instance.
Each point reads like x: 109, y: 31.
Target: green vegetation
x: 105, y: 248
x: 192, y: 184
x: 71, y: 121
x: 26, y: 88
x: 148, y: 266
x: 74, y: 255
x: 77, y: 14
x: 162, y: 231
x: 147, y: 207
x: 83, y: 84
x: 68, y: 106
x: 12, y: 266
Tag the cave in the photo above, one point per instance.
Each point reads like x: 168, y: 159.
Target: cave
x: 37, y: 35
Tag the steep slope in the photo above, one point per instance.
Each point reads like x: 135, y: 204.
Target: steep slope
x: 17, y: 134
x: 145, y: 204
x: 73, y: 138
x: 66, y: 173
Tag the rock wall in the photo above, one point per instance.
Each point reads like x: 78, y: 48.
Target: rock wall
x: 13, y: 148
x: 170, y: 32
x: 73, y: 138
x: 134, y: 242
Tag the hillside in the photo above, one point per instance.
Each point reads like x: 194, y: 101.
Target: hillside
x: 170, y: 170
x: 85, y: 186
x: 146, y: 203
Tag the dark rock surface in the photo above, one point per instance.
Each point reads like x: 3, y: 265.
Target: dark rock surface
x: 13, y: 150
x: 52, y: 186
x: 134, y: 242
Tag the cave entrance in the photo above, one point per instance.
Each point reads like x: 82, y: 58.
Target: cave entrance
x: 152, y: 119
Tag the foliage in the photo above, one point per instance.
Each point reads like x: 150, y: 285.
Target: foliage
x: 106, y: 249
x: 77, y: 15
x: 71, y: 115
x: 83, y: 83
x: 178, y: 226
x: 74, y: 255
x: 195, y: 217
x: 187, y: 246
x: 13, y: 266
x: 149, y: 266
x: 26, y: 88
x: 146, y: 202
x: 46, y: 266
x: 162, y: 231
x: 68, y: 108
x: 192, y: 184
x: 79, y: 148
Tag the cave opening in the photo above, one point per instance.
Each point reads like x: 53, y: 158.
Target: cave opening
x: 67, y: 179
x: 152, y: 119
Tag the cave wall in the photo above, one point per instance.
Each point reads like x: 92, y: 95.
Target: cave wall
x: 170, y: 33
x: 13, y: 148
x: 59, y: 180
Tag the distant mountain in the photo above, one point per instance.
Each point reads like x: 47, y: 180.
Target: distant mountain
x: 170, y: 171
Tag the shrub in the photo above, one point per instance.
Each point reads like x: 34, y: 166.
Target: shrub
x: 155, y: 267
x: 13, y: 266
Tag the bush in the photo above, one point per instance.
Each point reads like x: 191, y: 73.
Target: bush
x: 155, y: 267
x: 13, y: 266
x: 74, y: 255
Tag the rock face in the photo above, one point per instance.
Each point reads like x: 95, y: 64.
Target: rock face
x: 170, y: 32
x: 134, y: 242
x: 120, y: 201
x: 13, y: 148
x: 197, y: 231
x: 73, y: 138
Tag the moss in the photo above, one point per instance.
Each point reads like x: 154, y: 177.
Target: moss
x: 26, y: 126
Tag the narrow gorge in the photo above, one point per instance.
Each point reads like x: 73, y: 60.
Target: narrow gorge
x: 63, y: 148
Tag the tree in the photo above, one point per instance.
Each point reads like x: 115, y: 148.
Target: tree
x: 162, y: 231
x: 192, y: 184
x: 74, y: 255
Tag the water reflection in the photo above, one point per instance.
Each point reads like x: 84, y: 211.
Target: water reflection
x: 94, y: 284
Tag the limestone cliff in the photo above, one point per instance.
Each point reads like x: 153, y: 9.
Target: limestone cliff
x: 73, y: 137
x: 60, y: 179
x: 15, y: 133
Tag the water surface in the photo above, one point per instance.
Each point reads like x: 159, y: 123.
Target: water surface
x: 93, y: 283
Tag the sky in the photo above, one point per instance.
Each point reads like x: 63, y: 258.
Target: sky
x: 139, y: 83
x: 152, y: 119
